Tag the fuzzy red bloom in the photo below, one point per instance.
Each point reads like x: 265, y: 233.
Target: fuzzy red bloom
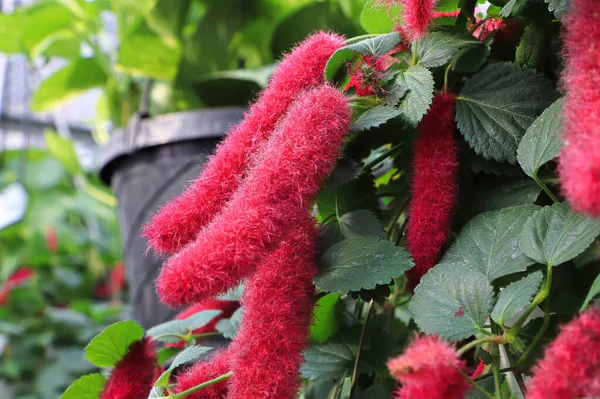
x: 267, y: 353
x: 418, y: 15
x: 117, y: 277
x: 428, y: 369
x: 18, y: 278
x: 571, y: 365
x: 51, y: 240
x: 287, y: 175
x: 434, y: 186
x: 134, y: 375
x: 206, y: 371
x: 579, y: 162
x: 179, y: 221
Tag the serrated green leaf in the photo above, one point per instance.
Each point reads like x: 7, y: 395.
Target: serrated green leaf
x: 380, y: 18
x: 439, y: 47
x: 64, y: 151
x: 497, y: 105
x: 374, y: 117
x: 531, y: 50
x: 594, y: 292
x: 490, y: 242
x: 470, y: 59
x: 189, y: 354
x: 325, y: 323
x: 170, y: 331
x: 559, y: 7
x: 87, y: 387
x: 361, y: 262
x: 376, y: 47
x: 541, y: 143
x: 108, y: 347
x: 229, y: 327
x: 420, y: 84
x: 556, y: 234
x: 164, y: 354
x: 361, y: 223
x: 452, y: 300
x: 515, y: 297
x: 331, y: 360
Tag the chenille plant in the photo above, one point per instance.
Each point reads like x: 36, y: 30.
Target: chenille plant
x: 409, y: 215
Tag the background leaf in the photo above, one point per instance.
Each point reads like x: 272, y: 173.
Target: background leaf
x: 87, y: 387
x: 594, y: 291
x: 515, y: 297
x: 189, y: 354
x: 331, y: 360
x: 556, y: 234
x: 229, y: 327
x: 559, y: 7
x: 108, y: 347
x: 63, y: 150
x: 325, y: 322
x: 380, y: 18
x: 439, y: 47
x: 374, y: 117
x: 420, y: 84
x: 181, y: 327
x: 361, y: 223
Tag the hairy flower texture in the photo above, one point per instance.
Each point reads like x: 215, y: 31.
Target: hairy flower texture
x: 434, y: 186
x: 418, y: 15
x: 267, y: 353
x: 202, y: 372
x: 179, y: 221
x: 286, y: 176
x: 571, y: 364
x: 579, y: 161
x: 365, y: 76
x: 134, y: 375
x: 428, y: 369
x: 18, y: 278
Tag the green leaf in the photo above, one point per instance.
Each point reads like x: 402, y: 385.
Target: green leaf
x: 556, y: 234
x: 187, y: 355
x: 490, y: 242
x: 453, y: 300
x: 78, y: 76
x: 508, y: 8
x: 325, y: 323
x: 438, y: 48
x: 559, y: 7
x: 87, y: 387
x: 377, y: 391
x: 361, y: 262
x: 516, y: 297
x: 374, y: 117
x: 156, y: 393
x: 361, y: 223
x: 594, y: 291
x: 376, y: 47
x: 170, y: 331
x: 532, y: 48
x: 420, y: 84
x: 494, y: 194
x: 542, y: 142
x: 63, y: 150
x: 379, y: 18
x: 11, y: 27
x: 164, y: 354
x: 331, y: 360
x: 229, y: 327
x: 497, y: 105
x: 471, y: 58
x: 108, y: 347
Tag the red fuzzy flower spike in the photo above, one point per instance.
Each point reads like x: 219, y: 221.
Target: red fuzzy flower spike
x: 287, y: 175
x: 579, y: 162
x: 418, y: 15
x: 179, y: 221
x: 571, y: 365
x: 434, y: 186
x: 18, y: 278
x: 428, y: 369
x: 134, y: 375
x: 267, y: 352
x: 203, y: 372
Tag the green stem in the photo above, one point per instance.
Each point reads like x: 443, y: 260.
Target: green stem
x: 190, y: 391
x: 446, y: 74
x: 368, y: 167
x: 545, y: 188
x: 415, y: 51
x: 502, y: 371
x: 180, y: 336
x: 539, y: 335
x: 496, y: 339
x: 475, y: 384
x: 360, y: 346
x: 496, y: 369
x: 207, y: 335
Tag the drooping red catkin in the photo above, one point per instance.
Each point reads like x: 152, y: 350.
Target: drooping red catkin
x: 203, y: 372
x: 287, y: 175
x: 428, y: 369
x: 434, y: 186
x: 571, y: 364
x: 134, y: 375
x: 579, y: 161
x: 179, y: 221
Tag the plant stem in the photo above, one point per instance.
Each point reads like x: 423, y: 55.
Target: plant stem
x: 496, y: 339
x: 180, y: 336
x: 502, y: 371
x: 496, y: 369
x: 538, y: 337
x: 475, y: 384
x: 368, y: 167
x: 190, y: 391
x: 545, y: 188
x: 415, y: 51
x: 207, y: 335
x: 446, y: 74
x: 360, y: 346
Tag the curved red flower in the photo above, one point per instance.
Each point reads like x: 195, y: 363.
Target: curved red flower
x: 19, y: 277
x: 203, y: 372
x: 571, y: 364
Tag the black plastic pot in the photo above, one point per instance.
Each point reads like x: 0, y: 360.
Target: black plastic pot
x: 146, y: 165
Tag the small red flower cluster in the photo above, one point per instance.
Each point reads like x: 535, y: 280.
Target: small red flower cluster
x: 18, y: 278
x: 428, y: 368
x: 579, y: 161
x: 134, y: 375
x: 247, y: 216
x: 571, y: 365
x: 434, y: 186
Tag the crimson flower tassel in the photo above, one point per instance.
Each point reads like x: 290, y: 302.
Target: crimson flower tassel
x: 434, y: 186
x: 134, y: 375
x: 418, y: 15
x: 571, y: 364
x: 429, y: 369
x: 287, y: 175
x: 179, y: 221
x: 205, y: 371
x: 579, y: 161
